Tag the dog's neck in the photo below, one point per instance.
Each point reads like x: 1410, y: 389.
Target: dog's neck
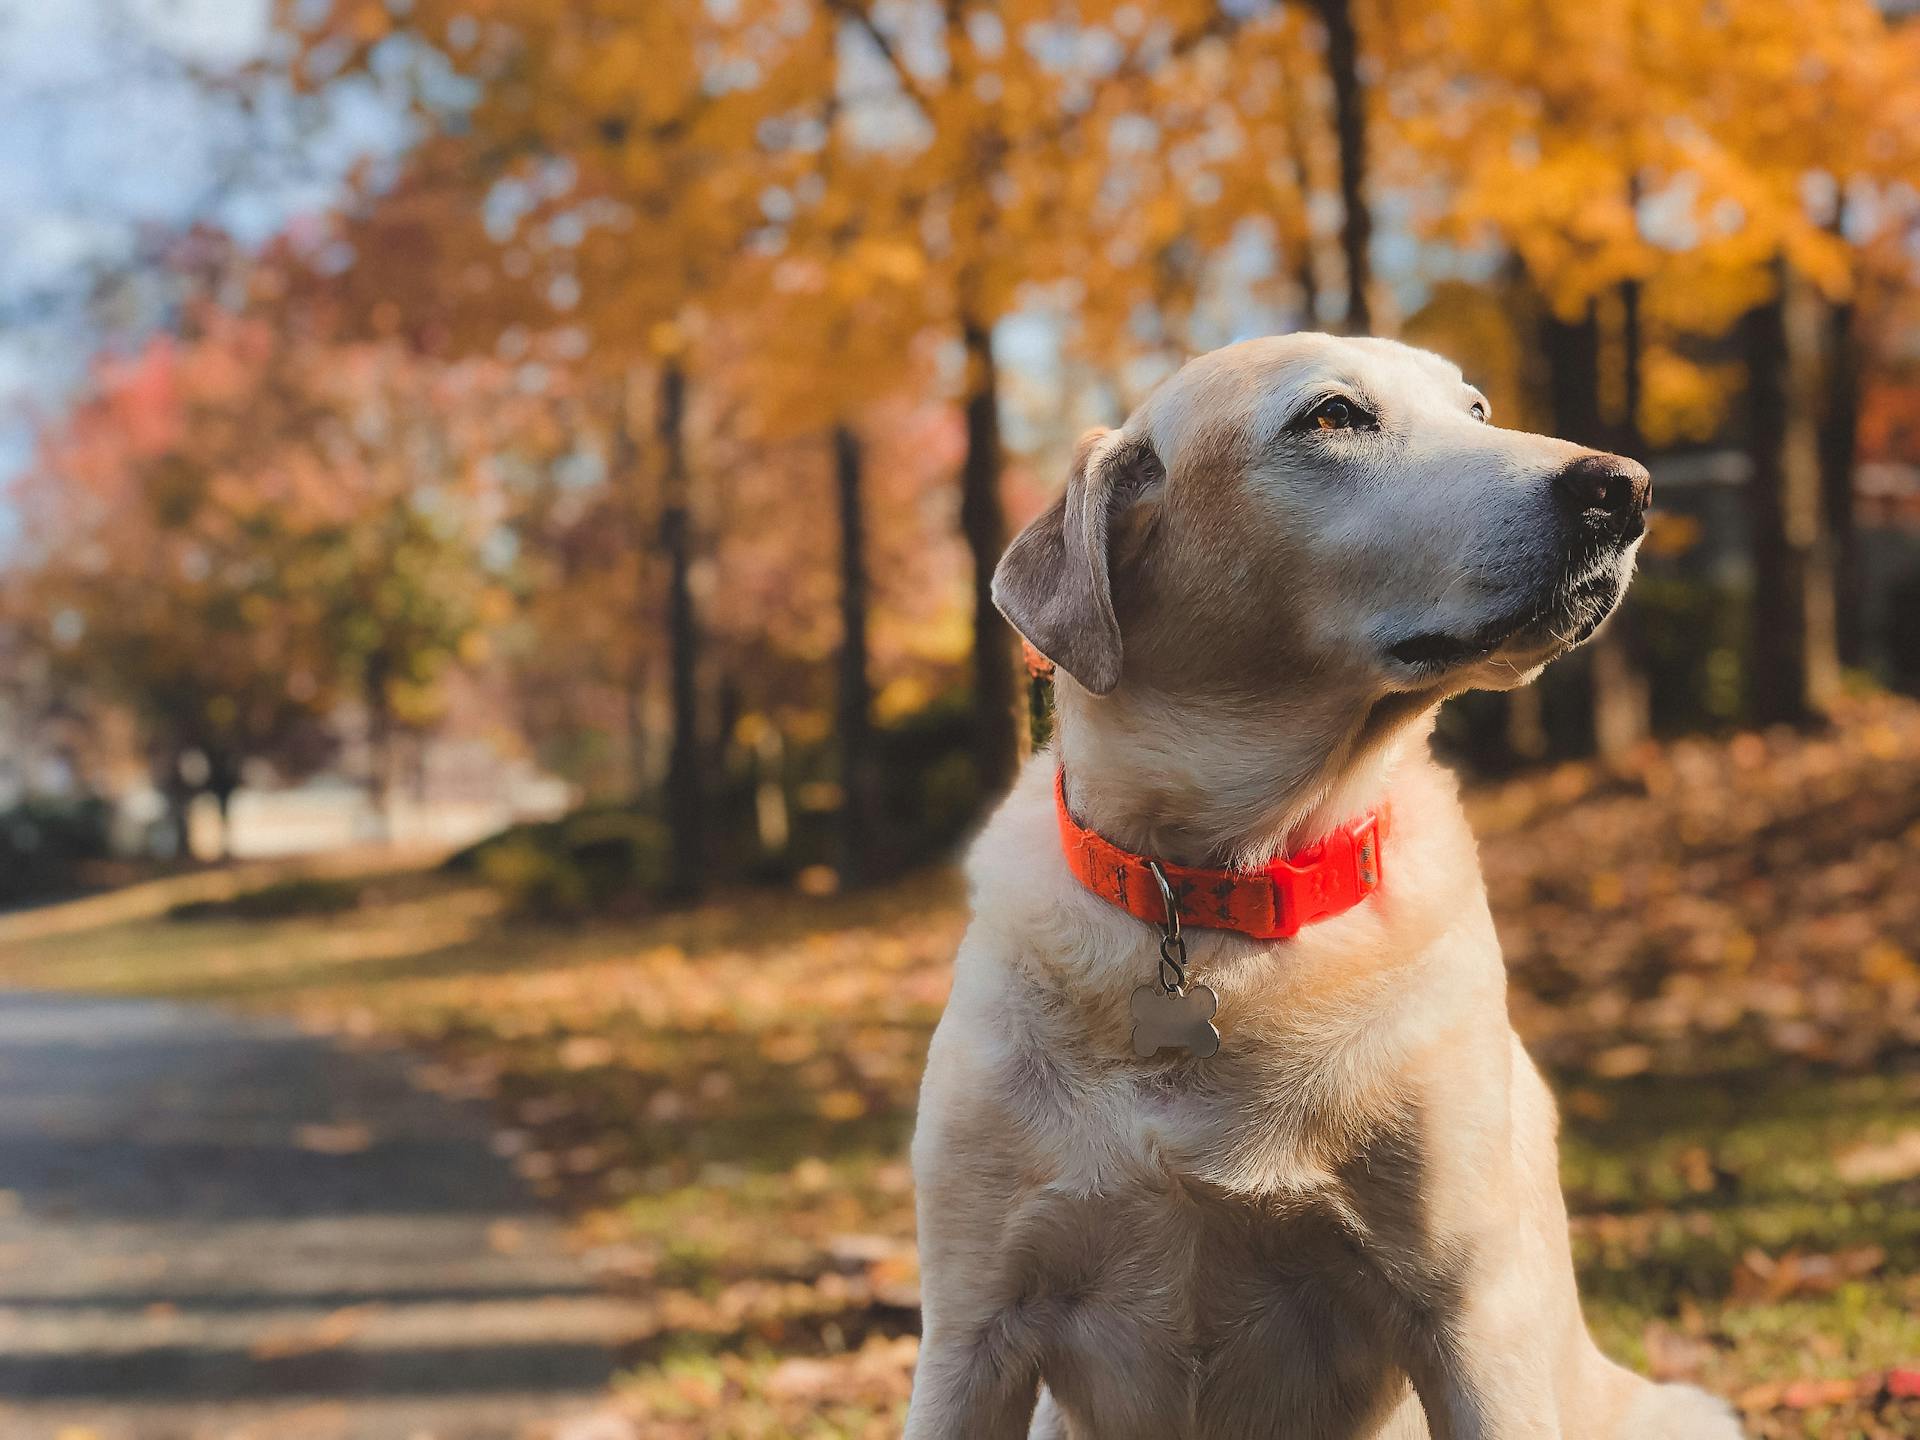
x: 1224, y: 783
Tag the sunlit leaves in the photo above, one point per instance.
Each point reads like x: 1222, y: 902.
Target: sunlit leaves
x: 253, y: 525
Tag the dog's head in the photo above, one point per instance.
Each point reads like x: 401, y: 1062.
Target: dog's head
x: 1309, y: 508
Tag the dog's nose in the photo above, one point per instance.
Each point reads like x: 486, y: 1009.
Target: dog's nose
x: 1612, y: 484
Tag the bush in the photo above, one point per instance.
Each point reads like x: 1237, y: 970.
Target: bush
x: 282, y: 900
x: 44, y: 846
x: 585, y: 863
x: 930, y: 790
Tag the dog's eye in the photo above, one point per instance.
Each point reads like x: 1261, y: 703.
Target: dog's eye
x: 1335, y: 413
x: 1479, y: 411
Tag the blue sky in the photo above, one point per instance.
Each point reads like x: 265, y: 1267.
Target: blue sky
x: 110, y: 137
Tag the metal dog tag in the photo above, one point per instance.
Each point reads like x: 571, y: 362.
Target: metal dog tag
x: 1175, y: 1020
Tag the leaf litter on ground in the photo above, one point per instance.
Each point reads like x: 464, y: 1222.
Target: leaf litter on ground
x: 1712, y: 951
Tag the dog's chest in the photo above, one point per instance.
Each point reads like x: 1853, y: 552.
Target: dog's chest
x: 1165, y: 1307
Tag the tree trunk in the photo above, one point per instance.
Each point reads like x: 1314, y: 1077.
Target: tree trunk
x: 1632, y: 353
x: 1573, y: 375
x: 858, y: 775
x: 1791, y: 657
x: 178, y: 796
x: 374, y: 677
x: 633, y: 701
x: 771, y: 817
x: 1618, y: 700
x: 1306, y: 264
x: 1525, y: 734
x: 983, y: 522
x: 686, y: 818
x: 1622, y: 700
x: 1350, y: 127
x: 623, y: 461
x: 223, y: 779
x: 1839, y: 437
x: 223, y: 801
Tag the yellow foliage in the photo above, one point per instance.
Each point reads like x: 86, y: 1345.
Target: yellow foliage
x: 1684, y: 399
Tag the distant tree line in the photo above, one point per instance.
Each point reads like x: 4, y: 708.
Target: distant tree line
x: 660, y: 396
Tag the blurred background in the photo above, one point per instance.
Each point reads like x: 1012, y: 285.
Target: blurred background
x: 495, y: 658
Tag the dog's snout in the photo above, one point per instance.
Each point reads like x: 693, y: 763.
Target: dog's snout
x: 1611, y: 484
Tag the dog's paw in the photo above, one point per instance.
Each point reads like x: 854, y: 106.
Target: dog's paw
x: 1679, y: 1412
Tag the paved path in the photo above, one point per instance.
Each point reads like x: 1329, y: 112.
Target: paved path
x: 222, y: 1228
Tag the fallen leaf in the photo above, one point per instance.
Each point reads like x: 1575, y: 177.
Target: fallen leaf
x: 1879, y: 1163
x: 328, y: 1333
x: 345, y: 1138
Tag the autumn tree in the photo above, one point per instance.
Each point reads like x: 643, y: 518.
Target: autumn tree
x: 1820, y: 99
x: 859, y: 291
x: 621, y: 157
x: 990, y: 159
x: 156, y: 571
x: 1648, y: 167
x: 243, y: 528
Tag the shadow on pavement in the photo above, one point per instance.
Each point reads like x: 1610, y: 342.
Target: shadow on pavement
x: 203, y: 1211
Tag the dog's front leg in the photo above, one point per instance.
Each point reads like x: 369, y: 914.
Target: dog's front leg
x: 1484, y: 1367
x: 970, y: 1386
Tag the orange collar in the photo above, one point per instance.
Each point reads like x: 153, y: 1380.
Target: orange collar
x: 1328, y: 878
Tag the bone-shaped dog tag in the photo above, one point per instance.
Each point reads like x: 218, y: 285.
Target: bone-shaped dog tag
x: 1163, y: 1020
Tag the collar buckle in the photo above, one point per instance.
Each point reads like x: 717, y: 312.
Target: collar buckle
x: 1331, y: 876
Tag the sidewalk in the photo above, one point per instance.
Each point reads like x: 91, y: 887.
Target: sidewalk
x: 217, y: 1228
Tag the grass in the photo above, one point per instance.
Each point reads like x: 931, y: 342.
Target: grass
x: 723, y: 1096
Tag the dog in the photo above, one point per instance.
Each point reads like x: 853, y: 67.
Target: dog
x: 1309, y: 1192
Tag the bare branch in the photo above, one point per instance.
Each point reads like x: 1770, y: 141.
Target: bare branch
x: 908, y: 82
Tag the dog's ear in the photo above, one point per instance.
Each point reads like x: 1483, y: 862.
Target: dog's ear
x: 1055, y: 584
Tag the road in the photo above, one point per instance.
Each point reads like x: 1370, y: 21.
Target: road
x: 213, y: 1228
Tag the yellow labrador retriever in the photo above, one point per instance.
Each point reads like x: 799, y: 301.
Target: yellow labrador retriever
x: 1282, y: 1170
